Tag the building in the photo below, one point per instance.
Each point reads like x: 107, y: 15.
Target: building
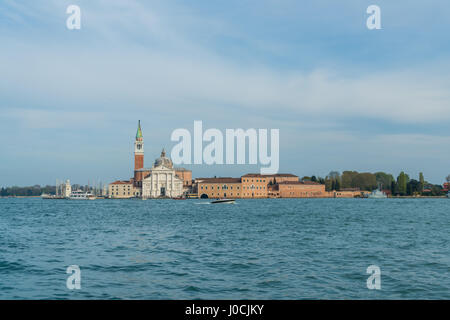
x: 67, y: 189
x: 123, y: 189
x: 254, y: 186
x: 162, y: 180
x: 446, y: 186
x: 301, y: 189
x: 219, y: 188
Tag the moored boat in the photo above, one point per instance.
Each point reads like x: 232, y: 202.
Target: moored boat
x: 377, y: 194
x: 81, y: 195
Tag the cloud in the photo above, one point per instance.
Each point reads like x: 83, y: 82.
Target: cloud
x: 172, y: 64
x: 140, y: 78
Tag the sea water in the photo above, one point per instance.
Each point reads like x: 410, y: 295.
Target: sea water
x: 254, y: 249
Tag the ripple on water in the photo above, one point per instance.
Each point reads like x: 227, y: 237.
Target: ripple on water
x: 265, y: 249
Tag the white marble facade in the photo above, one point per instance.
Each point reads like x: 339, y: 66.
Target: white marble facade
x: 162, y: 182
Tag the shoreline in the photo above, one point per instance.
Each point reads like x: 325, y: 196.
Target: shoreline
x: 395, y: 197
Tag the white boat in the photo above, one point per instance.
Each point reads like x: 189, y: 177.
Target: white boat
x: 51, y: 196
x: 81, y: 195
x: 223, y: 201
x: 377, y: 194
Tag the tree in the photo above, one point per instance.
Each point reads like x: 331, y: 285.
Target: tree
x: 338, y: 185
x: 413, y: 187
x: 437, y: 190
x: 384, y: 179
x: 313, y: 179
x: 421, y: 181
x: 393, y: 187
x: 365, y: 181
x: 402, y: 181
x: 347, y: 179
x: 334, y: 175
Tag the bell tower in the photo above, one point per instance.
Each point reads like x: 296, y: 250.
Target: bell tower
x: 139, y: 149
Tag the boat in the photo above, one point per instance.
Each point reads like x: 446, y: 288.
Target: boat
x: 81, y: 195
x: 448, y: 194
x: 51, y: 196
x: 223, y: 201
x: 377, y: 194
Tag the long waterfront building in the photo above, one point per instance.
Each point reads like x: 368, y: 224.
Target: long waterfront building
x: 163, y: 180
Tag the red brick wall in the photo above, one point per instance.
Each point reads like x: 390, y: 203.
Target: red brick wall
x: 302, y: 190
x: 138, y: 161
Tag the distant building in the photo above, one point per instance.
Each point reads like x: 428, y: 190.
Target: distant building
x: 123, y: 189
x: 254, y: 186
x: 160, y: 181
x: 446, y: 186
x: 67, y: 189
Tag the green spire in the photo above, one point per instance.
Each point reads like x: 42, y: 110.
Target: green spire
x: 139, y: 131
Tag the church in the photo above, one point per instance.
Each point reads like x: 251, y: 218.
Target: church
x: 162, y: 180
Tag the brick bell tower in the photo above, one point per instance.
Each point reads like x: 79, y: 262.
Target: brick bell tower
x: 138, y: 156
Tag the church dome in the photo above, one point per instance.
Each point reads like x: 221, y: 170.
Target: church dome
x: 163, y: 161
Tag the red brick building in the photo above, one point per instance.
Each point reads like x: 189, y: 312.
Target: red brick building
x: 254, y: 186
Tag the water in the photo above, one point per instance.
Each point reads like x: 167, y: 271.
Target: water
x: 255, y: 249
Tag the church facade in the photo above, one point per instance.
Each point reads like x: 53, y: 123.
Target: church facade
x: 162, y: 180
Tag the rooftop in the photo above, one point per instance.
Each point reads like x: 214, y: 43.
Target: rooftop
x: 122, y: 182
x: 299, y: 182
x: 219, y: 180
x: 270, y: 175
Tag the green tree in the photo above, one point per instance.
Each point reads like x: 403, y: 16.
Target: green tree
x: 347, y: 179
x: 334, y: 175
x: 393, y: 188
x: 384, y: 179
x: 365, y: 181
x: 402, y: 181
x: 413, y: 187
x: 337, y: 185
x: 422, y: 182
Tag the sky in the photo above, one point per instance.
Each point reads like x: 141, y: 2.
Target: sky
x: 343, y: 97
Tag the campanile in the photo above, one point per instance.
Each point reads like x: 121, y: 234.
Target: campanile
x: 139, y: 149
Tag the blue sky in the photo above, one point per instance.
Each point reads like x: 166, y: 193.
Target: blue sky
x: 343, y: 97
